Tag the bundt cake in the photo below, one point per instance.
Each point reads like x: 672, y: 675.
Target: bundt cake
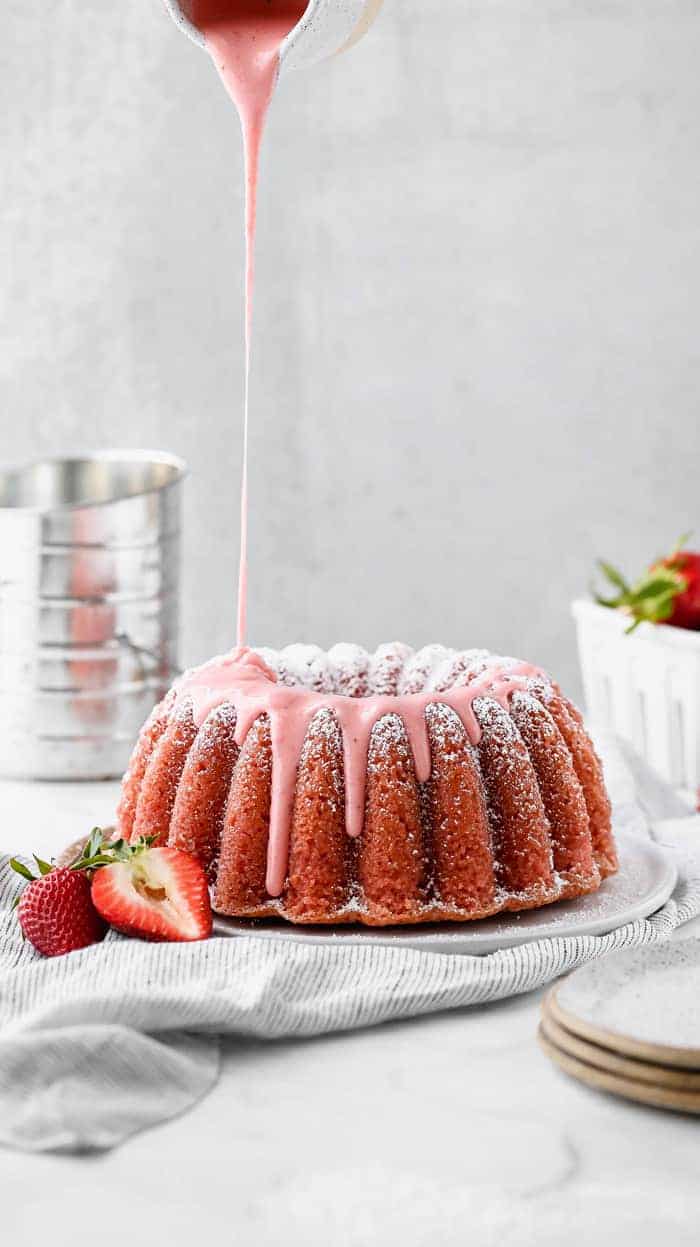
x: 393, y: 787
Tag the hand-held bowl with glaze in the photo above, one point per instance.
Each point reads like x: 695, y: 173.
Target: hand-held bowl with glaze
x: 326, y: 28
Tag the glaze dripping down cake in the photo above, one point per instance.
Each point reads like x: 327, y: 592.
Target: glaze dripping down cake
x: 394, y: 787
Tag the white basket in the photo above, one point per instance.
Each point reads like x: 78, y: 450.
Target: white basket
x: 645, y: 687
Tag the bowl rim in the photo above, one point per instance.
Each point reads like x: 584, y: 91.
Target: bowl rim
x: 179, y: 466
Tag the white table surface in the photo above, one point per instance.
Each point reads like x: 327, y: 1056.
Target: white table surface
x: 449, y: 1130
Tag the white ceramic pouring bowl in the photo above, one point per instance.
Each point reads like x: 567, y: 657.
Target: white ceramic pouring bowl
x: 327, y: 27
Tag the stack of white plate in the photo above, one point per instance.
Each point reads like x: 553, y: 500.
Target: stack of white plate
x: 630, y: 1025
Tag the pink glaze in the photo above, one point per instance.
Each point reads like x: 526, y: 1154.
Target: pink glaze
x: 244, y: 680
x: 244, y: 38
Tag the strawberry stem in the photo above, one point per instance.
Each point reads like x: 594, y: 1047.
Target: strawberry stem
x: 651, y: 598
x: 98, y: 850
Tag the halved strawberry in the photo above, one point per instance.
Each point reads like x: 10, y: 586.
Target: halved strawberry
x: 155, y: 893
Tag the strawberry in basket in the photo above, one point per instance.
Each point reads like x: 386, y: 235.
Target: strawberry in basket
x: 668, y: 592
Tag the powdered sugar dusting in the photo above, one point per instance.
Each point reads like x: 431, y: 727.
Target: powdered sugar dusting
x: 386, y: 667
x: 421, y: 666
x: 452, y: 669
x: 305, y: 666
x: 348, y: 667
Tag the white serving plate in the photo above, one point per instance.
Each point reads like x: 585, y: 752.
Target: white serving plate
x: 644, y: 882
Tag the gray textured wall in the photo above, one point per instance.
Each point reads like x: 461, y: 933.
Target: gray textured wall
x: 477, y: 359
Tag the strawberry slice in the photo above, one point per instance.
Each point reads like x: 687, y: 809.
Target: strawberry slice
x: 155, y: 893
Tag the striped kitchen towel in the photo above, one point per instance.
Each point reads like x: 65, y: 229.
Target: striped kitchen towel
x: 104, y: 1042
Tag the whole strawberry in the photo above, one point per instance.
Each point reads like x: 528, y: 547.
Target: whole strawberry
x: 668, y: 592
x: 56, y: 912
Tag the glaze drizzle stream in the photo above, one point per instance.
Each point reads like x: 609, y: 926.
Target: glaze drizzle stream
x: 244, y: 39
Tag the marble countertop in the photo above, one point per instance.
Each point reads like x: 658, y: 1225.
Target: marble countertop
x: 447, y: 1130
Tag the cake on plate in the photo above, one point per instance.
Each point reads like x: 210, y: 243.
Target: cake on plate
x: 387, y: 788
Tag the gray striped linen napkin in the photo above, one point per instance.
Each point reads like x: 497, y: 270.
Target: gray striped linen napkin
x: 104, y: 1042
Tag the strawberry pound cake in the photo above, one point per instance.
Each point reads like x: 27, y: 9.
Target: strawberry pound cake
x: 387, y: 788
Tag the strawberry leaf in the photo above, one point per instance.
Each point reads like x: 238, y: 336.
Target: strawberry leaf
x: 682, y: 541
x: 95, y: 842
x: 21, y: 869
x: 45, y: 868
x: 613, y: 575
x: 659, y: 586
x: 611, y: 603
